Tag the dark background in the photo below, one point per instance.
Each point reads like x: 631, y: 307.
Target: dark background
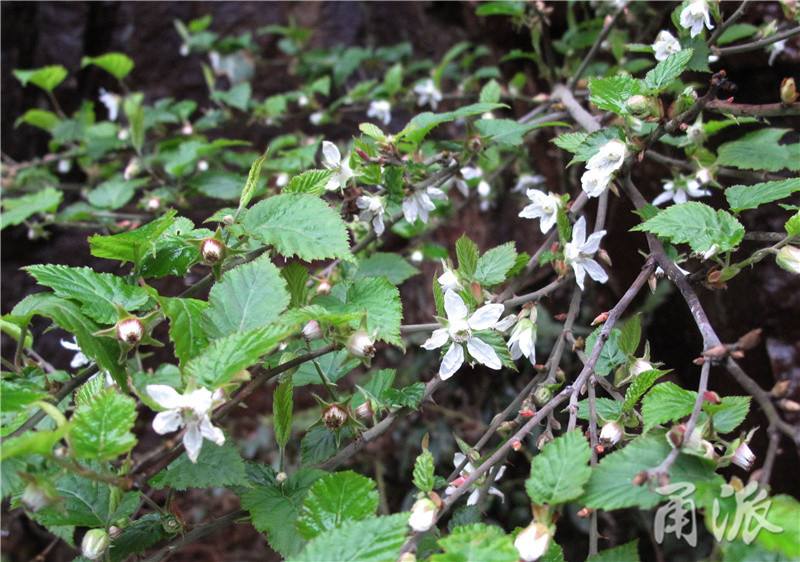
x: 36, y: 34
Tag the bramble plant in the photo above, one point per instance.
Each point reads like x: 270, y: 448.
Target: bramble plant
x: 288, y: 285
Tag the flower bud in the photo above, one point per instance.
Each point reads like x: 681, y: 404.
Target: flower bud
x: 743, y: 457
x: 228, y: 219
x: 130, y: 330
x: 153, y: 204
x: 407, y: 557
x: 417, y: 256
x: 312, y: 330
x: 361, y: 345
x: 94, y: 544
x: 712, y: 397
x: 533, y: 542
x: 114, y: 532
x: 423, y: 515
x: 36, y: 496
x: 132, y: 169
x: 64, y: 165
x: 788, y: 91
x: 187, y: 129
x: 542, y: 395
x: 781, y: 388
x: 324, y: 287
x: 788, y: 405
x: 212, y: 251
x: 640, y: 366
x: 640, y: 106
x: 788, y: 258
x: 334, y: 416
x: 750, y: 340
x: 611, y: 433
x: 281, y: 477
x: 364, y: 411
x: 202, y: 166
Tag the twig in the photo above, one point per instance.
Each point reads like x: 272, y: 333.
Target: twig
x: 727, y: 23
x: 769, y: 458
x: 595, y: 47
x: 755, y: 45
x: 196, y: 534
x: 754, y: 110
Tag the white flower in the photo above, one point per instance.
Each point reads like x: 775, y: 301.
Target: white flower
x: 640, y: 366
x: 532, y: 542
x: 423, y: 515
x: 64, y: 165
x: 468, y: 469
x: 428, y: 93
x: 187, y: 129
x: 611, y: 433
x: 665, y: 45
x: 184, y: 50
x: 94, y: 544
x: 694, y: 16
x: 484, y: 192
x: 743, y: 456
x: 111, y: 101
x: 578, y: 254
x: 458, y: 329
x: 711, y: 252
x: 79, y: 359
x: 190, y: 410
x: 417, y: 256
x: 316, y: 117
x: 302, y: 100
x: 526, y: 181
x: 680, y: 192
x: 312, y: 330
x: 361, y: 344
x: 703, y: 176
x: 282, y: 179
x: 380, y: 110
x: 420, y: 203
x: 448, y: 280
x: 202, y: 166
x: 776, y: 49
x: 130, y: 330
x: 523, y: 340
x: 372, y: 209
x: 132, y: 169
x: 609, y: 158
x: 332, y: 160
x: 788, y: 258
x: 471, y: 172
x: 123, y: 134
x: 695, y: 131
x: 594, y: 182
x: 505, y: 324
x: 543, y: 206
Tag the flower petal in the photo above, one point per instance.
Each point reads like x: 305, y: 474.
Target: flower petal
x: 454, y: 306
x: 580, y: 273
x: 331, y: 154
x: 167, y: 422
x: 438, y: 339
x: 483, y: 353
x: 451, y: 362
x: 199, y: 400
x: 165, y: 396
x: 193, y: 441
x: 473, y: 497
x: 486, y: 316
x: 579, y: 232
x: 210, y: 432
x: 595, y: 271
x: 593, y: 243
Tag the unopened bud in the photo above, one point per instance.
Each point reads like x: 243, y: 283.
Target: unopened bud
x: 153, y: 204
x: 717, y: 352
x: 712, y: 397
x: 652, y: 282
x: 95, y: 543
x: 324, y: 287
x: 37, y: 496
x: 187, y: 129
x: 584, y: 512
x: 750, y: 340
x: 788, y: 258
x: 281, y: 477
x: 516, y: 444
x: 639, y: 105
x: 417, y: 256
x: 114, y: 532
x: 364, y: 411
x: 533, y: 542
x: 407, y: 557
x: 361, y: 344
x: 423, y: 515
x: 560, y: 317
x: 543, y: 440
x: 527, y: 412
x: 640, y: 478
x: 788, y: 405
x: 781, y: 388
x: 604, y: 257
x: 212, y: 251
x: 788, y: 91
x: 312, y: 330
x: 744, y: 457
x: 132, y: 169
x: 600, y: 318
x: 228, y: 219
x: 542, y: 395
x: 599, y: 449
x: 475, y: 144
x: 334, y: 416
x: 202, y: 166
x: 130, y: 330
x: 611, y: 433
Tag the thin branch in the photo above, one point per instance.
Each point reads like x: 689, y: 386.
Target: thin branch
x: 196, y: 534
x: 754, y: 110
x: 727, y: 23
x: 595, y: 48
x: 755, y: 45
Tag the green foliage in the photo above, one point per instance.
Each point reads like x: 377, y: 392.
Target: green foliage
x: 47, y: 78
x: 131, y: 246
x: 383, y: 264
x: 377, y: 539
x: 696, y: 224
x: 424, y: 471
x: 494, y: 265
x: 186, y: 326
x: 612, y: 93
x: 657, y: 79
x: 311, y: 182
x: 490, y: 93
x: 282, y: 404
x: 476, y: 542
x: 116, y: 64
x: 216, y: 466
x: 379, y: 302
x: 611, y: 355
x: 508, y: 132
x: 640, y: 384
x: 729, y: 413
x: 252, y: 181
x: 101, y: 428
x: 467, y: 254
x: 17, y: 210
x: 419, y: 127
x: 742, y: 197
x: 761, y: 150
x: 666, y: 402
x: 560, y: 471
x: 87, y: 503
x: 628, y: 552
x: 334, y: 500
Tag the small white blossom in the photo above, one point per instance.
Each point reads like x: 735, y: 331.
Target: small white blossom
x: 312, y: 330
x: 316, y: 117
x: 459, y: 328
x: 680, y: 192
x: 123, y: 135
x: 526, y: 181
x: 423, y: 515
x: 202, y: 166
x: 332, y: 160
x: 471, y: 172
x: 416, y: 256
x: 609, y: 158
x: 776, y: 49
x: 544, y: 206
x: 361, y: 344
x: 448, y: 280
x: 665, y: 45
x: 302, y: 100
x: 594, y: 182
x: 132, y: 169
x: 111, y: 101
x: 523, y: 340
x: 427, y: 93
x: 695, y: 132
x: 187, y: 129
x: 711, y: 252
x: 64, y: 165
x: 703, y: 176
x: 640, y: 366
x: 694, y: 16
x: 578, y: 254
x: 420, y: 203
x: 380, y: 110
x: 532, y: 542
x: 484, y: 192
x: 190, y: 410
x: 744, y: 457
x: 372, y: 209
x: 468, y: 469
x: 282, y: 179
x: 79, y: 359
x: 184, y: 50
x: 611, y: 433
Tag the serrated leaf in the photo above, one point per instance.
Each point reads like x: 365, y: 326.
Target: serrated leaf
x: 116, y: 64
x: 335, y: 499
x: 382, y: 264
x: 228, y: 355
x: 282, y: 404
x: 114, y: 193
x: 761, y: 150
x: 560, y: 470
x: 171, y: 252
x: 467, y: 254
x: 131, y: 246
x: 318, y: 445
x: 333, y: 365
x: 311, y: 181
x: 378, y: 539
x: 570, y: 141
x: 249, y: 296
x: 138, y: 537
x: 47, y: 78
x: 666, y: 402
x: 424, y: 471
x: 17, y: 394
x: 17, y: 210
x: 252, y: 181
x: 490, y: 93
x: 493, y: 266
x: 296, y: 277
x: 85, y: 503
x: 629, y: 552
x: 299, y: 224
x: 40, y: 118
x: 274, y: 508
x: 508, y: 132
x: 475, y: 542
x: 639, y: 386
x: 217, y: 466
x: 607, y: 409
x: 419, y: 127
x: 97, y: 293
x: 696, y: 224
x: 657, y: 79
x: 736, y: 32
x: 630, y: 334
x: 729, y: 413
x: 742, y: 197
x: 372, y: 131
x: 612, y: 93
x: 792, y: 225
x: 101, y: 428
x: 611, y: 355
x: 379, y: 302
x: 185, y: 326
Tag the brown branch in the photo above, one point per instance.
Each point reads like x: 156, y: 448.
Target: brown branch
x: 754, y: 110
x: 727, y: 23
x: 755, y: 45
x: 196, y: 534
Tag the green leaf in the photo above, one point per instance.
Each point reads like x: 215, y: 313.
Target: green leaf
x: 216, y: 467
x: 311, y: 181
x: 666, y: 402
x: 379, y: 302
x: 639, y: 386
x: 31, y: 443
x: 607, y: 409
x: 17, y: 210
x: 570, y: 141
x: 252, y: 182
x: 611, y: 355
x: 657, y: 79
x: 468, y: 543
x: 729, y: 413
x: 378, y: 539
x: 629, y: 552
x: 424, y: 468
x: 237, y: 97
x: 741, y: 197
x: 372, y: 131
x: 249, y: 296
x: 282, y: 404
x: 171, y: 252
x: 116, y: 64
x: 114, y: 193
x: 131, y: 246
x: 792, y: 225
x: 560, y: 471
x: 135, y: 114
x: 334, y: 500
x: 138, y: 537
x: 318, y: 445
x: 228, y: 355
x: 101, y: 428
x: 501, y: 8
x: 761, y: 150
x: 696, y: 224
x: 611, y: 484
x: 490, y: 93
x: 494, y: 265
x: 782, y: 514
x: 274, y: 508
x: 299, y: 224
x: 47, y: 77
x: 333, y: 365
x: 467, y: 254
x: 383, y: 264
x: 40, y: 118
x: 419, y: 127
x: 18, y: 394
x: 185, y: 326
x: 735, y: 32
x: 630, y: 335
x: 506, y: 131
x: 612, y: 93
x: 97, y: 293
x: 86, y: 503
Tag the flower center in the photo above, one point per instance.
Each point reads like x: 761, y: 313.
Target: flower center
x: 459, y: 330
